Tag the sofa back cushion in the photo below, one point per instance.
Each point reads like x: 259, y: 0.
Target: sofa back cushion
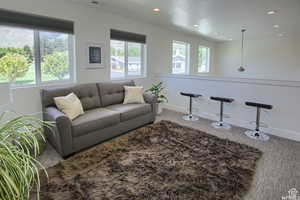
x: 113, y: 92
x: 87, y: 93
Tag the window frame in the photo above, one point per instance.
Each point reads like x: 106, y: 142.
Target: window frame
x: 208, y: 60
x: 126, y: 53
x: 37, y: 60
x: 187, y: 57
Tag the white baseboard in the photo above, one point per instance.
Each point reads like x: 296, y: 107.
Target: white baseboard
x: 283, y: 133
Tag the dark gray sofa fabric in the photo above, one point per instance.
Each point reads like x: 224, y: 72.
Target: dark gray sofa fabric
x: 130, y: 111
x: 84, y: 142
x: 94, y: 119
x: 87, y: 93
x: 105, y: 115
x: 113, y: 93
x: 61, y: 135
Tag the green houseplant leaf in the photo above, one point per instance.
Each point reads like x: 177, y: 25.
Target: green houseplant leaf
x: 157, y: 90
x: 19, y: 147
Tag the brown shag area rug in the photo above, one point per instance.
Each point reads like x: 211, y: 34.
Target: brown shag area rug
x: 158, y: 162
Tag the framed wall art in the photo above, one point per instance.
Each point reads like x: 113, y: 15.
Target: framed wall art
x: 95, y: 55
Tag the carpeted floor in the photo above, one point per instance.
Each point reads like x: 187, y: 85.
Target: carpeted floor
x: 278, y: 170
x: 161, y: 161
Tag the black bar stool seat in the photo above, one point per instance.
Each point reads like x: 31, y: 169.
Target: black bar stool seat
x: 190, y: 116
x: 221, y: 123
x: 226, y: 100
x: 260, y: 105
x: 257, y: 134
x: 190, y: 95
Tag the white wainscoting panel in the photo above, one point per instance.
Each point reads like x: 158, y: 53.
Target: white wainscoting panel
x: 282, y: 120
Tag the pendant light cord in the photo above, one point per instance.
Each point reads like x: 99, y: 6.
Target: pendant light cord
x: 242, y: 50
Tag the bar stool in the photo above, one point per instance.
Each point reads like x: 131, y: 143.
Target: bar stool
x: 257, y: 134
x: 221, y: 123
x: 190, y: 116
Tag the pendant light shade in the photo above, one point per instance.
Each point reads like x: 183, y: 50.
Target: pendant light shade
x: 242, y: 68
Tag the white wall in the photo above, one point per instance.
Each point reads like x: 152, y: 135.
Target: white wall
x: 276, y: 58
x: 92, y: 24
x: 282, y: 120
x: 267, y: 60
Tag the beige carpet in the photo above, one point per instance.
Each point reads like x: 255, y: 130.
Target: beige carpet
x: 277, y: 171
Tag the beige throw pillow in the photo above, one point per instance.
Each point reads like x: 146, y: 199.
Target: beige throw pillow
x: 133, y: 95
x: 70, y: 105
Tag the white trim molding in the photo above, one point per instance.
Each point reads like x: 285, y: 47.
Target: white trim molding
x: 281, y: 83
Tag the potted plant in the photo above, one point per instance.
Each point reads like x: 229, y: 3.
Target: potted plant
x: 19, y: 147
x: 157, y: 90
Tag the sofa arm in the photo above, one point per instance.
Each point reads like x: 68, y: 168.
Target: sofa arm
x: 61, y: 138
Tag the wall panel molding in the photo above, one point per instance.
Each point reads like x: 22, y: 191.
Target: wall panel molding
x: 281, y: 83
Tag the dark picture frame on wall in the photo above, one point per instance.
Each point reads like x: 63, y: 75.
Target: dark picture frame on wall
x: 95, y: 55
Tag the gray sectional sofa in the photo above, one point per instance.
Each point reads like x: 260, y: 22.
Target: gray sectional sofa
x: 105, y: 116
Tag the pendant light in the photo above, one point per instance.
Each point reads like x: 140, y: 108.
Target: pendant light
x: 242, y: 68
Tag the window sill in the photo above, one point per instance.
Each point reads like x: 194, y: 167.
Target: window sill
x: 129, y: 78
x: 180, y: 74
x: 202, y: 73
x: 49, y: 84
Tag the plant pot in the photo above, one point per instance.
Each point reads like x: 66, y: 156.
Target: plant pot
x: 159, y: 108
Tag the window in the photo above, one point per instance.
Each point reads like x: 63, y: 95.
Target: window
x: 35, y: 49
x: 17, y: 63
x: 180, y: 58
x: 117, y: 58
x: 127, y: 59
x: 135, y: 52
x: 127, y: 54
x: 56, y: 56
x: 203, y: 59
x: 34, y: 57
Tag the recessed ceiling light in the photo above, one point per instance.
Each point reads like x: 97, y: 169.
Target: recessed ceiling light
x: 276, y: 26
x: 280, y: 35
x: 271, y: 12
x: 196, y: 25
x: 230, y: 39
x: 156, y: 9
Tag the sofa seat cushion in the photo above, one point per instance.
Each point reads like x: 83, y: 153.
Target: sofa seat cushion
x: 94, y: 119
x: 130, y: 111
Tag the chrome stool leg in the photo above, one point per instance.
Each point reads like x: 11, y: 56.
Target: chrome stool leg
x: 221, y: 123
x: 257, y: 134
x: 190, y: 116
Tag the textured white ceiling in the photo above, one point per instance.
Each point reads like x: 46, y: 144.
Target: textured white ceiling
x: 217, y: 19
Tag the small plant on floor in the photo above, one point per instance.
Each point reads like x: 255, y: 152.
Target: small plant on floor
x: 19, y: 147
x: 157, y: 90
